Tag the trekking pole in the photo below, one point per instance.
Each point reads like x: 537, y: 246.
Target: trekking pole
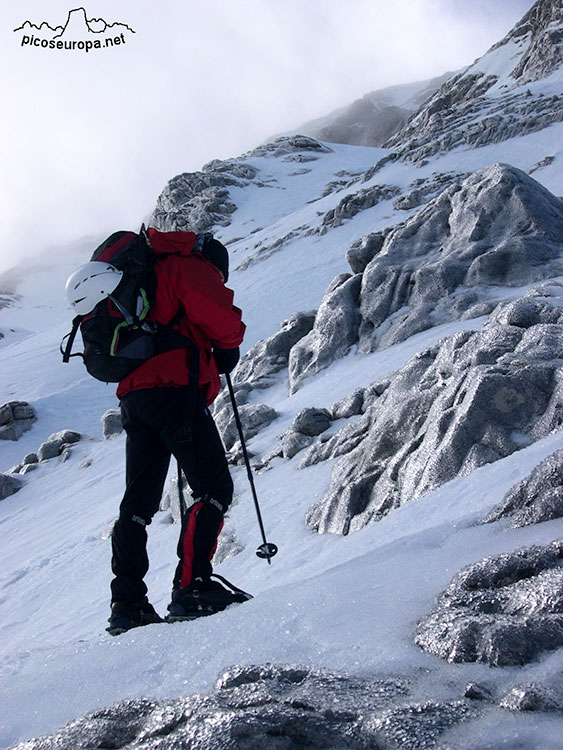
x: 266, y: 550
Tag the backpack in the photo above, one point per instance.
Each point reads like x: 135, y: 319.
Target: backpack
x: 117, y: 335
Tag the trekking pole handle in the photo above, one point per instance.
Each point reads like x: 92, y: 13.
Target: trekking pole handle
x: 266, y: 550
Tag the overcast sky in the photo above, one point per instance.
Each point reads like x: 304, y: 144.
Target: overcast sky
x: 90, y: 139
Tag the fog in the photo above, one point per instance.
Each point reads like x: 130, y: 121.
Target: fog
x: 89, y: 139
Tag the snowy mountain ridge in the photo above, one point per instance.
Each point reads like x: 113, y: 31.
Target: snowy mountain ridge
x: 401, y: 391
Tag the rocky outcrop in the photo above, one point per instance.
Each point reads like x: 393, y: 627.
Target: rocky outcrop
x: 16, y: 417
x: 353, y: 203
x: 535, y: 696
x: 423, y: 190
x: 260, y: 365
x: 9, y: 486
x: 253, y: 417
x: 111, y: 423
x: 499, y: 228
x: 269, y: 706
x: 199, y: 201
x: 543, y: 25
x: 471, y: 399
x: 300, y: 148
x: 537, y: 498
x: 56, y: 444
x: 477, y: 109
x: 334, y: 331
x: 308, y: 423
x: 504, y: 610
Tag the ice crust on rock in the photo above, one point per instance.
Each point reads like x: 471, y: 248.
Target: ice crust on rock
x: 504, y: 610
x: 270, y: 705
x: 111, y: 423
x: 537, y: 498
x: 353, y: 203
x: 259, y: 366
x: 471, y: 399
x: 335, y: 330
x: 450, y: 261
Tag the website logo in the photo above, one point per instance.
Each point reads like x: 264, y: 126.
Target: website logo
x: 78, y: 33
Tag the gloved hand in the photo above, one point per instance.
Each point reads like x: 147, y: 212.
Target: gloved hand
x: 226, y: 359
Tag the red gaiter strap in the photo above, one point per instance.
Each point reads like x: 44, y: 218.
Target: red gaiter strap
x: 188, y: 546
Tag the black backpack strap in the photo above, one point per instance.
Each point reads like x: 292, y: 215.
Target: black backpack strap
x: 71, y: 336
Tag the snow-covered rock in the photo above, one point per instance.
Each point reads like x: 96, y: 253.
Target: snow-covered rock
x: 111, y: 423
x: 499, y: 228
x: 494, y: 99
x: 9, y: 485
x: 334, y: 331
x: 16, y: 417
x: 504, y: 610
x: 468, y: 401
x: 55, y: 444
x: 537, y: 498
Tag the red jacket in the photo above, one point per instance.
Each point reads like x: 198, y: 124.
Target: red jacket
x: 186, y: 280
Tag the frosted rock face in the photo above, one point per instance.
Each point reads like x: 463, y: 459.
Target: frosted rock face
x: 259, y: 366
x: 499, y: 228
x: 504, y: 610
x: 473, y: 398
x: 537, y: 498
x: 362, y: 251
x: 534, y: 697
x: 353, y: 203
x: 290, y: 147
x: 334, y: 331
x: 16, y: 417
x: 311, y: 421
x: 270, y: 706
x: 198, y: 201
x: 544, y: 23
x: 467, y: 110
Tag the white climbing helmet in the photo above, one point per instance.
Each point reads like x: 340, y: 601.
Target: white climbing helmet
x: 91, y: 283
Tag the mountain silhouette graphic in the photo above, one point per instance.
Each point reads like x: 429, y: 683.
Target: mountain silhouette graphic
x: 77, y: 25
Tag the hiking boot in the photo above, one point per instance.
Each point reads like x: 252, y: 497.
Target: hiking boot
x: 203, y: 597
x: 126, y: 615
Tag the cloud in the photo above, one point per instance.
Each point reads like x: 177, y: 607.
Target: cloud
x: 90, y: 139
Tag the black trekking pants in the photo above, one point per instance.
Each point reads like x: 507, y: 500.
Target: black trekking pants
x: 160, y: 423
